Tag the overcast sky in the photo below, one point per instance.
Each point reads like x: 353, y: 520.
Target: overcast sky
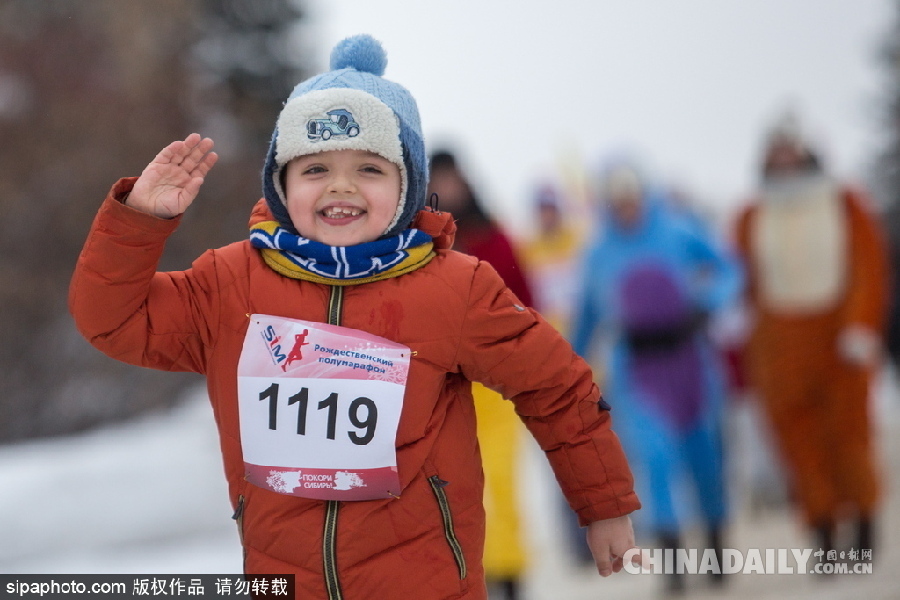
x: 519, y: 87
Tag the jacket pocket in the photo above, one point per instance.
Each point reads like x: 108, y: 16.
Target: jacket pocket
x: 437, y: 486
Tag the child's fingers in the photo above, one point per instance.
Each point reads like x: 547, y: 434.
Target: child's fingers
x: 191, y: 140
x: 628, y: 551
x: 637, y: 556
x: 205, y: 165
x: 604, y: 564
x: 196, y: 152
x: 172, y: 154
x: 180, y: 152
x: 617, y: 564
x: 193, y: 187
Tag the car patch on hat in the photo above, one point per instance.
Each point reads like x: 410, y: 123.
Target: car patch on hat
x: 340, y: 122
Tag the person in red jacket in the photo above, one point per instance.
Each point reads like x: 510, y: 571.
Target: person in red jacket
x: 355, y: 465
x: 477, y: 233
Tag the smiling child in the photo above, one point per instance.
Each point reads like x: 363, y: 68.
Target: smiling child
x: 339, y: 344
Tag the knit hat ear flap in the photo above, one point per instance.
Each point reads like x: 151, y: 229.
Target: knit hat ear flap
x: 273, y: 194
x: 351, y: 107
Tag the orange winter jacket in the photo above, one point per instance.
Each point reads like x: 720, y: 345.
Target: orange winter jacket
x: 462, y: 324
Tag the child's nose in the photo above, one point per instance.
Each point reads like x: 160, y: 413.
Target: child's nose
x: 341, y: 183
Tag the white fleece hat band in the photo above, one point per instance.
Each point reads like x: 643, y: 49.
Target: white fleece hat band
x: 339, y: 119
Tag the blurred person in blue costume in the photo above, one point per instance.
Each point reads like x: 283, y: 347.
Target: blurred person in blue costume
x: 651, y: 281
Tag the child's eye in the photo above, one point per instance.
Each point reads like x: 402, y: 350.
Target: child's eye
x: 313, y: 170
x: 371, y: 169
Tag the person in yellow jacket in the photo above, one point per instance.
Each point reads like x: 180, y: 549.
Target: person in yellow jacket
x: 551, y: 258
x: 499, y: 428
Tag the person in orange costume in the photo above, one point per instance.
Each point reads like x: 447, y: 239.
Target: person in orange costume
x: 817, y: 274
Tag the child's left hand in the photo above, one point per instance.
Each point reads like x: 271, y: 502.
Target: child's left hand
x: 609, y: 540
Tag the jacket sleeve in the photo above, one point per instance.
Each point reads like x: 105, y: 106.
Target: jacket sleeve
x: 126, y: 309
x: 511, y: 349
x: 742, y: 232
x: 869, y: 270
x: 722, y: 278
x: 587, y: 315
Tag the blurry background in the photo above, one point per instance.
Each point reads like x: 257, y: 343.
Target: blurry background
x: 524, y: 91
x: 89, y: 92
x: 543, y: 86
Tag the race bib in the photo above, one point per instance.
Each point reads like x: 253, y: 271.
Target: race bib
x: 319, y: 407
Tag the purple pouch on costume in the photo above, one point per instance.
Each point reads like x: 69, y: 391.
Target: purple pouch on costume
x: 665, y: 364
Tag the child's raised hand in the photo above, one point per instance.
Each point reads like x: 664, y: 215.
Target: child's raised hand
x: 172, y: 180
x: 609, y: 541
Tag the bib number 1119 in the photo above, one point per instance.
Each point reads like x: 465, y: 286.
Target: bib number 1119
x: 366, y: 423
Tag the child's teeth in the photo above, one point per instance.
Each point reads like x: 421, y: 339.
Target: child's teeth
x: 340, y: 211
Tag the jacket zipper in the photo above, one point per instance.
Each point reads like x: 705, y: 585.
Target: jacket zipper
x: 238, y: 516
x: 437, y: 485
x: 329, y: 537
x: 329, y: 551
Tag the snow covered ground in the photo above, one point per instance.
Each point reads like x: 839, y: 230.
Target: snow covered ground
x: 149, y: 497
x: 142, y: 497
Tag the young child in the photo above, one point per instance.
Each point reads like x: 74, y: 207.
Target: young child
x: 339, y: 344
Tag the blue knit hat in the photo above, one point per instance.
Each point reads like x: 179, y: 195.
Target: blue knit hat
x: 351, y: 107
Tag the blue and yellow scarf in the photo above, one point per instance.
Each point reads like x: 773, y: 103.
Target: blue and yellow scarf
x: 297, y: 257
